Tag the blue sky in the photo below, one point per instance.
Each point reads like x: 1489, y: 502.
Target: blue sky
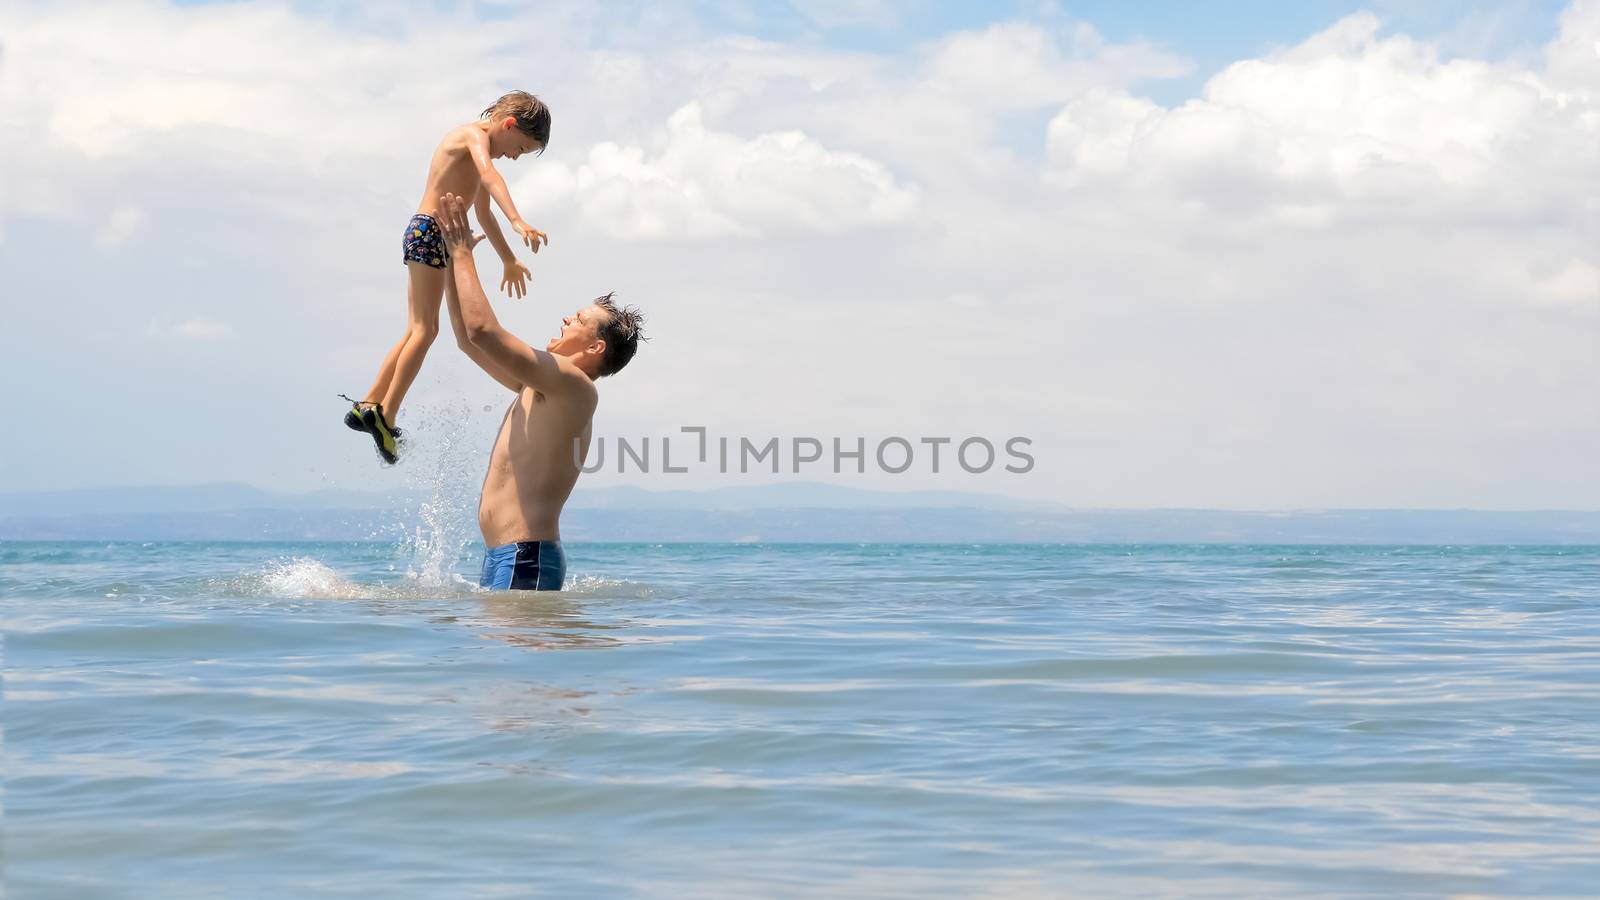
x: 1211, y: 35
x: 1239, y: 255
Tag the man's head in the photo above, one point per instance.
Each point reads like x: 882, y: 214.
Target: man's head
x: 519, y: 123
x: 601, y: 337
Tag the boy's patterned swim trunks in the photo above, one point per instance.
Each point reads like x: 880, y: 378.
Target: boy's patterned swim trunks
x: 424, y: 243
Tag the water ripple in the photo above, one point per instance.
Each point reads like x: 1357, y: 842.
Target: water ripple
x: 854, y: 721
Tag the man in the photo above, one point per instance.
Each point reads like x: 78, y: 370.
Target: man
x: 545, y: 435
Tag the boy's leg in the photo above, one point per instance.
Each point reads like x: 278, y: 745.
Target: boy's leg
x: 386, y: 372
x: 423, y: 296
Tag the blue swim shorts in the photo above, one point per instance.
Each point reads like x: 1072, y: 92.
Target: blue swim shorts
x: 424, y: 243
x: 524, y: 566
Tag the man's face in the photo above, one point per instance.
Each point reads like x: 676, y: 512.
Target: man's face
x: 508, y: 141
x: 578, y: 331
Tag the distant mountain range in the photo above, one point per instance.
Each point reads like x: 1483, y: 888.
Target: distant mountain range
x: 797, y: 512
x: 232, y: 497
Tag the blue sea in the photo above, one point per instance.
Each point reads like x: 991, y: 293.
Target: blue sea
x: 357, y: 720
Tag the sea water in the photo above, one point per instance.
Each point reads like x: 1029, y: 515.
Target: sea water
x: 357, y: 720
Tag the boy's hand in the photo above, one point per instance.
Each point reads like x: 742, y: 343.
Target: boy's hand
x: 453, y: 224
x: 530, y: 235
x: 515, y: 280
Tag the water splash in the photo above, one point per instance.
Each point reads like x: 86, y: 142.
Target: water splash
x: 436, y: 534
x: 304, y: 578
x: 608, y: 587
x: 444, y: 464
x: 300, y: 578
x: 296, y: 578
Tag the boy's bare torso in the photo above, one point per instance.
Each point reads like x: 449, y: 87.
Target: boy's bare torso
x: 452, y: 170
x: 533, y: 467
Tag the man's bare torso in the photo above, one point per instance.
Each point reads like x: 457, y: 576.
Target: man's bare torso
x: 533, y: 467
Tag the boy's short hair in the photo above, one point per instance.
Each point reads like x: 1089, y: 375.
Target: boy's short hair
x: 622, y: 331
x: 533, y: 117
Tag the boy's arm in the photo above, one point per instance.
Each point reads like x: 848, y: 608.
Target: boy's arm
x: 501, y: 350
x: 453, y: 303
x: 490, y: 180
x: 491, y: 227
x: 514, y: 280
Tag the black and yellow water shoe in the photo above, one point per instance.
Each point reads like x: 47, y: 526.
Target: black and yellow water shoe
x: 352, y: 417
x: 386, y: 438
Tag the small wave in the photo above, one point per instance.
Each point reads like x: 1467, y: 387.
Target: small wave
x: 302, y: 578
x: 595, y: 584
x: 299, y: 578
x: 307, y: 578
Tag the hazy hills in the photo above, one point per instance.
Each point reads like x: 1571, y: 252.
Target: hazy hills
x: 786, y: 512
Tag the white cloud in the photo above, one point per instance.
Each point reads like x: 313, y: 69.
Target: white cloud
x: 1576, y: 285
x: 96, y: 95
x: 1093, y: 137
x: 123, y: 225
x: 695, y: 182
x: 1021, y: 65
x: 1354, y: 271
x: 197, y: 329
x: 204, y: 330
x: 851, y: 13
x: 1573, y: 58
x: 1348, y: 125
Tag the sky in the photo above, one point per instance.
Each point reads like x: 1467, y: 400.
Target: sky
x: 1246, y: 255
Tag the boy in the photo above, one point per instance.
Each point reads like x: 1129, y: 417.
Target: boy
x: 462, y: 164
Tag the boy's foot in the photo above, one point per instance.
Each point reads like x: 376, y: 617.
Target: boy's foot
x: 352, y: 418
x: 384, y: 435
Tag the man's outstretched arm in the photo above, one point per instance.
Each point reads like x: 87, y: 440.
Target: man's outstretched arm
x: 453, y: 302
x: 500, y: 349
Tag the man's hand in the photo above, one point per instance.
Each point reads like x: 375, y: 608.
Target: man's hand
x: 529, y: 234
x: 515, y: 280
x: 453, y: 223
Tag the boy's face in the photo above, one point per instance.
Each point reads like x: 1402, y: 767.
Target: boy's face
x: 506, y: 140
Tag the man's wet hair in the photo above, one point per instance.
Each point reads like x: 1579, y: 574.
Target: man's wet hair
x: 533, y: 117
x: 622, y: 331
